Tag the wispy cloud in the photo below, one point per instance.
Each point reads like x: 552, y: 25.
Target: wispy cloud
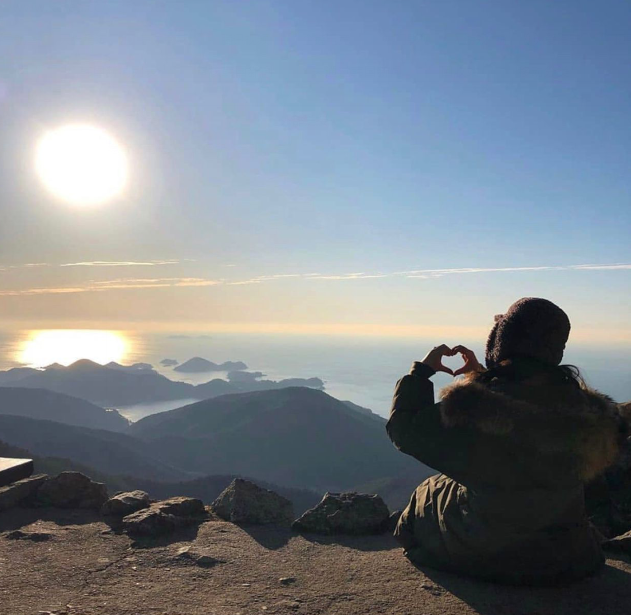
x: 106, y: 285
x: 151, y: 263
x: 179, y: 282
x: 120, y: 263
x: 348, y: 276
x: 437, y: 273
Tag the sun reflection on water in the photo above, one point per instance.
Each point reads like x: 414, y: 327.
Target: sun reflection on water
x: 65, y: 346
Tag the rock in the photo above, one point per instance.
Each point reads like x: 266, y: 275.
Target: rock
x: 72, y: 490
x: 126, y: 503
x: 287, y: 580
x: 182, y: 507
x: 22, y: 491
x: 345, y: 513
x: 34, y: 536
x: 244, y: 502
x: 199, y: 556
x: 165, y: 516
x: 150, y: 522
x: 619, y: 543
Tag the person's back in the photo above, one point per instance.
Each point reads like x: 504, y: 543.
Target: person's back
x: 516, y: 444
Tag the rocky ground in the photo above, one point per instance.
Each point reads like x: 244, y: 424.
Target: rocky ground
x: 72, y: 562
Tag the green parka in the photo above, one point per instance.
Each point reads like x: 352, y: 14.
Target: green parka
x: 515, y: 453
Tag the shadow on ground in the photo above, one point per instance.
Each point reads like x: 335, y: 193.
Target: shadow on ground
x: 608, y: 592
x: 17, y: 518
x: 381, y: 542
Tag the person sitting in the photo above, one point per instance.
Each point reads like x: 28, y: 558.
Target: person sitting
x: 515, y: 443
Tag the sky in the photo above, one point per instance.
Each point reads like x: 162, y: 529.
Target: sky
x: 357, y: 167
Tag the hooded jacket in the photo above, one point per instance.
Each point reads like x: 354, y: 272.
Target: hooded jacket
x: 515, y: 454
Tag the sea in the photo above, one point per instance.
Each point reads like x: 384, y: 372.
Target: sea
x: 363, y: 370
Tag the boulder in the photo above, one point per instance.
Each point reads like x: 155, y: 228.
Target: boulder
x: 150, y: 522
x: 345, y: 513
x: 126, y: 503
x: 165, y: 516
x: 620, y: 543
x: 182, y: 507
x: 72, y: 490
x: 244, y: 502
x: 21, y: 492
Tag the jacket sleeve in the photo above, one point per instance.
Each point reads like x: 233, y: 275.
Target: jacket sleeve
x: 415, y: 426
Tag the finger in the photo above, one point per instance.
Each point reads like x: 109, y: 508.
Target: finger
x: 443, y: 348
x: 462, y: 349
x: 447, y: 370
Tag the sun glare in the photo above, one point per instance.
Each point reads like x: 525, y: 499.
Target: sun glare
x: 81, y: 164
x: 67, y: 346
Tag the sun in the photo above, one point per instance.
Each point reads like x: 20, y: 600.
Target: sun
x: 65, y: 346
x: 81, y: 164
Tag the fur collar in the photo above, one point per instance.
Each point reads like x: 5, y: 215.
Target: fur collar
x: 549, y: 417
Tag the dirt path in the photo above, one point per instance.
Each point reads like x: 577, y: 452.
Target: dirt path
x: 85, y: 568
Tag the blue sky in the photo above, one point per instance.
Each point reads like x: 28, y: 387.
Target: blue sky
x: 294, y: 137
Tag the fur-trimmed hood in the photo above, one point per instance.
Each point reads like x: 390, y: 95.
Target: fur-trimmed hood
x: 552, y: 417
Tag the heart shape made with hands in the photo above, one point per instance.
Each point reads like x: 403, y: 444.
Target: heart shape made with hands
x: 442, y: 358
x: 453, y: 362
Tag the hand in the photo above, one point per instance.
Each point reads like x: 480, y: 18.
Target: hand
x: 434, y: 358
x: 471, y: 363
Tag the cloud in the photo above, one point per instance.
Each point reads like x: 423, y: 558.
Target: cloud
x: 436, y: 273
x: 190, y: 282
x: 120, y: 263
x: 152, y: 263
x: 349, y: 276
x: 125, y: 284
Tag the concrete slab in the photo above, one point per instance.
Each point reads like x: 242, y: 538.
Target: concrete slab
x: 14, y: 469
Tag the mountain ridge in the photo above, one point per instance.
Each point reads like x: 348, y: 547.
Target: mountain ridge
x: 120, y: 386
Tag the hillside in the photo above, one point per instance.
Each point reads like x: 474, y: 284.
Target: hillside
x: 294, y: 436
x: 48, y: 405
x: 106, y: 451
x: 84, y: 568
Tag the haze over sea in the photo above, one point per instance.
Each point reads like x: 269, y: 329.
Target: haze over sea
x: 363, y: 370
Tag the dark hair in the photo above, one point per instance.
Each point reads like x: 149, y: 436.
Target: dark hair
x: 571, y: 373
x: 522, y: 368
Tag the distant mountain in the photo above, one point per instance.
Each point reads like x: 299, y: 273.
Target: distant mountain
x: 293, y: 436
x: 44, y: 404
x: 115, y: 385
x: 136, y: 367
x: 221, y: 387
x: 14, y: 375
x: 106, y: 386
x: 199, y: 365
x: 106, y: 451
x: 396, y: 490
x: 169, y: 362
